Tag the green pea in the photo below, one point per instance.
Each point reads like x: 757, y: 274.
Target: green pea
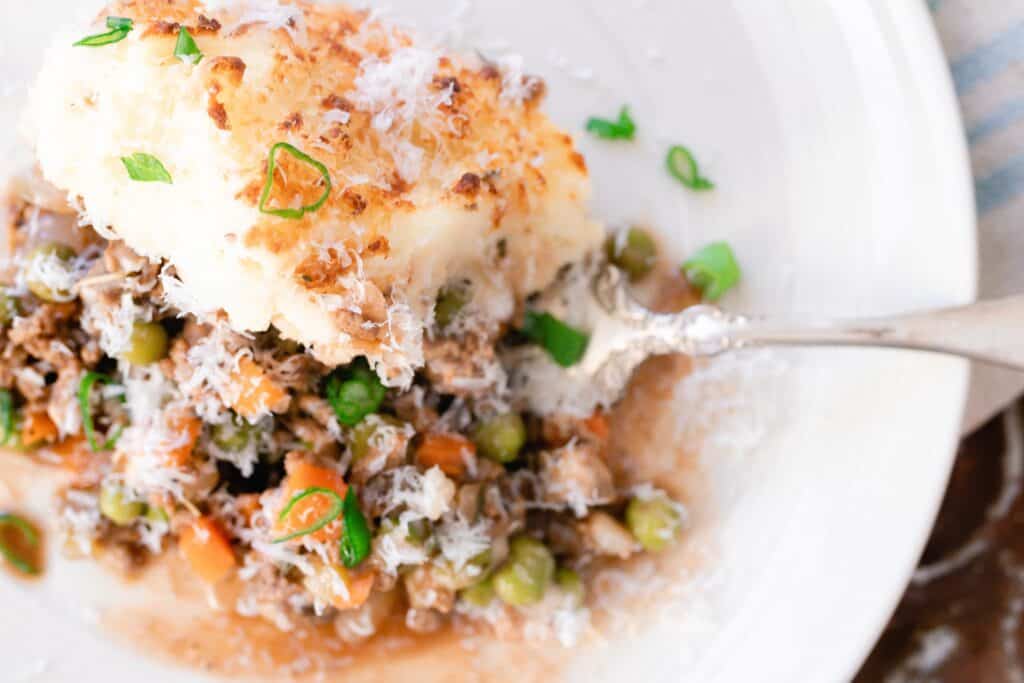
x: 654, y: 522
x: 501, y: 438
x: 419, y: 531
x: 148, y: 344
x: 37, y: 285
x: 9, y: 308
x: 636, y: 254
x: 115, y: 508
x: 354, y: 392
x: 232, y: 436
x: 361, y: 436
x: 450, y: 303
x: 157, y: 514
x: 527, y: 574
x: 571, y: 584
x: 479, y: 594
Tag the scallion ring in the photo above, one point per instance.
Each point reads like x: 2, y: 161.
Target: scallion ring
x: 564, y: 343
x: 713, y: 270
x: 355, y: 543
x: 293, y: 214
x: 6, y: 416
x: 682, y: 164
x: 119, y: 27
x: 31, y: 536
x: 337, y: 507
x: 84, y: 393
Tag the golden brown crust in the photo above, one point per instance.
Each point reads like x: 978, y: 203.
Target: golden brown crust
x: 312, y: 75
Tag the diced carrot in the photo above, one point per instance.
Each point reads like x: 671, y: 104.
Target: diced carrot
x: 187, y: 428
x: 450, y: 452
x: 304, y: 475
x: 37, y: 428
x: 359, y: 588
x: 206, y: 549
x: 255, y: 392
x: 247, y: 504
x: 74, y: 454
x: 597, y: 424
x: 323, y: 584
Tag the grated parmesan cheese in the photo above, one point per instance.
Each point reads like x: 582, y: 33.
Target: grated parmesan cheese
x: 516, y: 86
x: 394, y: 550
x: 429, y: 494
x: 397, y: 90
x: 115, y: 324
x: 80, y: 519
x: 178, y: 297
x: 56, y: 274
x: 461, y: 541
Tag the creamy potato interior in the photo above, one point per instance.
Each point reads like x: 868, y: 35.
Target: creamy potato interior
x: 432, y: 169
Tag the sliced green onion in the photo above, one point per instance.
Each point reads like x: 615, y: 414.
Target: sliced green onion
x: 84, y: 392
x: 337, y: 506
x: 6, y: 416
x: 31, y: 537
x: 355, y: 543
x: 565, y: 344
x: 713, y: 270
x: 120, y: 23
x: 119, y: 27
x: 146, y: 168
x: 623, y: 129
x: 354, y: 393
x: 186, y: 49
x: 683, y: 166
x: 293, y: 214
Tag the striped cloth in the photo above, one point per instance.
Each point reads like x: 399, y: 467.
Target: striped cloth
x: 985, y: 43
x: 984, y: 40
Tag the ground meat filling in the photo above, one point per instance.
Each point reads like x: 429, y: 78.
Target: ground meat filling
x: 180, y: 432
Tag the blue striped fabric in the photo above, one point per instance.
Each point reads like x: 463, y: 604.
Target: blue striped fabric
x: 984, y: 40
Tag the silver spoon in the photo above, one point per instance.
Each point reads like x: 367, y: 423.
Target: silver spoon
x: 624, y: 334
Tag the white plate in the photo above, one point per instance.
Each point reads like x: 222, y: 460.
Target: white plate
x: 831, y: 130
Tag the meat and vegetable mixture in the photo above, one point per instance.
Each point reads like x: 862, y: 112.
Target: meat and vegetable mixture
x: 383, y: 211
x: 325, y: 495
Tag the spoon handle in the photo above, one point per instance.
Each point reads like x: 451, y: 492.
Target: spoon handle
x: 988, y: 331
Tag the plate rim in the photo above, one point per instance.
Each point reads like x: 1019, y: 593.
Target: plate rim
x: 914, y: 25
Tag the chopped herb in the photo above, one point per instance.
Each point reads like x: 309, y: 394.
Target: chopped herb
x: 337, y: 505
x: 84, y: 405
x: 186, y: 49
x: 683, y: 166
x: 119, y: 27
x: 634, y: 251
x: 120, y: 23
x: 565, y: 344
x: 293, y: 214
x: 623, y: 129
x: 354, y: 392
x: 713, y: 270
x: 6, y: 416
x: 355, y: 543
x: 31, y: 536
x: 146, y: 168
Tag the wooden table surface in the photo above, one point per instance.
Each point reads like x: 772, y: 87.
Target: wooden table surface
x: 961, y: 619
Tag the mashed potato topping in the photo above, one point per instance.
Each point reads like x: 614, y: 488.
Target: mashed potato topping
x: 441, y: 169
